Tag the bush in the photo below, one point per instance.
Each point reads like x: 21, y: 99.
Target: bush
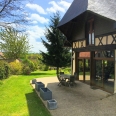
x: 35, y: 64
x: 4, y: 70
x: 26, y: 70
x: 29, y: 64
x: 44, y: 67
x: 16, y: 68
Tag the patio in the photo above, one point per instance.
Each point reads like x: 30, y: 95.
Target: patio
x: 81, y: 100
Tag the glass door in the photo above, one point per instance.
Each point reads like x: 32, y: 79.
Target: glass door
x: 87, y: 71
x: 81, y: 69
x: 99, y: 73
x: 104, y: 74
x: 84, y: 70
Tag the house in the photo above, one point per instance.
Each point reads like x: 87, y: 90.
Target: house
x: 90, y: 27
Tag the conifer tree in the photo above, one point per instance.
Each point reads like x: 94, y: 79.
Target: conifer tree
x: 57, y: 55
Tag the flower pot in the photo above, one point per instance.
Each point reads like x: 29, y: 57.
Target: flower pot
x: 45, y: 94
x: 38, y: 85
x: 51, y: 104
x: 33, y: 81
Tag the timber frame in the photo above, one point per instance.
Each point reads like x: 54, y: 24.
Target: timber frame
x: 91, y: 32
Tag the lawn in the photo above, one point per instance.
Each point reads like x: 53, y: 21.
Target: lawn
x: 18, y: 98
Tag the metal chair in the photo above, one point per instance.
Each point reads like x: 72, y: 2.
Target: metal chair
x: 71, y: 81
x: 62, y: 80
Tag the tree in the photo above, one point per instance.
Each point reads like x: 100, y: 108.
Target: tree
x: 12, y: 11
x: 14, y: 44
x: 57, y: 56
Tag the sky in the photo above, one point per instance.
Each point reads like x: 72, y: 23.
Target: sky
x: 39, y: 13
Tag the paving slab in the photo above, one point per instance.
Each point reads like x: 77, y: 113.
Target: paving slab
x: 80, y: 100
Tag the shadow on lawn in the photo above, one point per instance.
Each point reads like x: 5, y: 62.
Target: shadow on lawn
x: 35, y: 105
x: 39, y: 73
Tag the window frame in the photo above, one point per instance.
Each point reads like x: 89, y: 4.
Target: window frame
x: 90, y: 32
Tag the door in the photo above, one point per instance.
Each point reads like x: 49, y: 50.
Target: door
x: 99, y: 73
x: 104, y: 74
x: 84, y: 70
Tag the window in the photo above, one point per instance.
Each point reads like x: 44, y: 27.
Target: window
x: 91, y: 32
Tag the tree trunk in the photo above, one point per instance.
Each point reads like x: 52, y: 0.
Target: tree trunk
x: 57, y: 72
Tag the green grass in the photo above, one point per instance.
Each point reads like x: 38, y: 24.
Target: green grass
x: 18, y: 98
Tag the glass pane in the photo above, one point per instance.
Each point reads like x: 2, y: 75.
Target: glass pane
x: 93, y: 38
x: 81, y: 70
x: 89, y: 38
x: 104, y: 74
x: 98, y: 73
x: 87, y: 71
x: 104, y: 54
x: 109, y: 54
x: 108, y: 76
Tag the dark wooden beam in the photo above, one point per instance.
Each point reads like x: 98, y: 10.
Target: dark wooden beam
x: 96, y: 48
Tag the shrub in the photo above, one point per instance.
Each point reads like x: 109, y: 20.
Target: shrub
x: 4, y: 70
x: 35, y: 64
x: 16, y: 68
x: 26, y: 70
x: 30, y: 64
x: 44, y: 67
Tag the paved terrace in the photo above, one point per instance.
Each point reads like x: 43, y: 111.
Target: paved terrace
x: 80, y: 100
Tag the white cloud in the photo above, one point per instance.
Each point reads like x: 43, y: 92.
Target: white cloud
x: 34, y: 34
x: 61, y: 6
x: 38, y: 18
x: 55, y: 7
x: 65, y: 4
x: 37, y: 47
x: 36, y: 7
x: 34, y: 22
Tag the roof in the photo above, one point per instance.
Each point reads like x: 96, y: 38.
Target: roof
x: 105, y: 8
x: 2, y: 55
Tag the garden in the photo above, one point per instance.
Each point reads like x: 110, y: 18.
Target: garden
x: 18, y: 98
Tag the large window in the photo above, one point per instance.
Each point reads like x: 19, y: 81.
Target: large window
x: 104, y: 70
x: 91, y: 31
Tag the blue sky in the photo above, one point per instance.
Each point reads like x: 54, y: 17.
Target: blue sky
x: 39, y: 15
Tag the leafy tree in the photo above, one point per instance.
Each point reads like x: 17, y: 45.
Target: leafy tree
x: 12, y: 11
x: 13, y: 43
x: 56, y: 56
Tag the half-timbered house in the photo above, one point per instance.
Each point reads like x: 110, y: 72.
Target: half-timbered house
x: 90, y: 27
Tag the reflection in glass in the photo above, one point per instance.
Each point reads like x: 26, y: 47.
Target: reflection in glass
x: 87, y: 71
x: 81, y: 70
x: 104, y: 74
x: 104, y: 54
x: 92, y: 37
x: 89, y: 38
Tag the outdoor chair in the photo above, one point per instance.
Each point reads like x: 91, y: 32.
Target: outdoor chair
x: 62, y: 80
x: 71, y: 81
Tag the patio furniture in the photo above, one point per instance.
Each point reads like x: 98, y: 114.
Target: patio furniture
x: 38, y: 85
x: 64, y: 79
x: 68, y: 80
x: 71, y: 81
x: 51, y: 104
x: 45, y: 94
